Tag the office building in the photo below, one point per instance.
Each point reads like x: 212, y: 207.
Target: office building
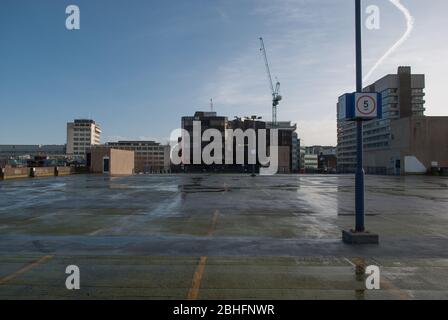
x: 310, y: 163
x: 149, y: 156
x: 316, y: 158
x: 405, y: 141
x: 81, y: 135
x: 327, y: 161
x: 208, y: 120
x: 288, y: 143
x: 403, y: 96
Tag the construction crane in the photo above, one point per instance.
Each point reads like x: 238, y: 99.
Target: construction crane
x: 276, y: 97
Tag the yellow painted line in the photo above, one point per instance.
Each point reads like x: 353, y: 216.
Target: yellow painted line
x: 25, y: 269
x: 193, y: 293
x: 400, y: 294
x: 197, y: 278
x: 384, y: 282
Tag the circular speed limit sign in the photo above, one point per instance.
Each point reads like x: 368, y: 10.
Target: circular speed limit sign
x: 366, y: 106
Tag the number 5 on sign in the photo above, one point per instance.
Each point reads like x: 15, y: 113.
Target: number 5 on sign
x: 367, y: 106
x: 360, y: 106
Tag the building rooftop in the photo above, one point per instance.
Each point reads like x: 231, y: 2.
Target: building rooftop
x: 84, y: 121
x: 139, y: 142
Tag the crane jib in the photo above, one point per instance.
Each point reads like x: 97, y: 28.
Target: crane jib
x: 276, y: 97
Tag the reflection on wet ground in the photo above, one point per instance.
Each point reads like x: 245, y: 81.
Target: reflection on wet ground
x: 258, y: 234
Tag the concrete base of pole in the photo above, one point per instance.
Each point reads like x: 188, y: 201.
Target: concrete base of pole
x: 353, y: 237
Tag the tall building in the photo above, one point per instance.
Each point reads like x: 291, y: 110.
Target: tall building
x: 81, y: 135
x: 403, y: 96
x: 208, y: 120
x: 245, y: 124
x: 288, y: 143
x: 149, y: 156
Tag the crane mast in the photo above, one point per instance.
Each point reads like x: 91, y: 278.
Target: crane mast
x: 276, y: 97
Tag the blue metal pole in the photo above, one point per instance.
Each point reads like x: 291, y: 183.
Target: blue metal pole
x: 359, y: 178
x: 255, y: 130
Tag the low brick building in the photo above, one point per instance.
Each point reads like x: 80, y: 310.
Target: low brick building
x: 150, y: 156
x: 103, y: 159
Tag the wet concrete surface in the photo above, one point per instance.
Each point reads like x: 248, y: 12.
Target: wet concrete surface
x: 279, y: 237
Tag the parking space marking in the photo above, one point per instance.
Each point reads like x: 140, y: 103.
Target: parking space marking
x: 385, y: 283
x: 197, y: 278
x: 193, y: 293
x: 25, y: 269
x: 390, y: 287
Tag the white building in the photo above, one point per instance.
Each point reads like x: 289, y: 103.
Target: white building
x: 311, y: 162
x: 403, y: 96
x: 81, y: 134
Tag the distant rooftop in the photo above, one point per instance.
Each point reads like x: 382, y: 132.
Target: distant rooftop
x: 282, y: 125
x: 205, y: 114
x: 138, y: 142
x: 84, y: 121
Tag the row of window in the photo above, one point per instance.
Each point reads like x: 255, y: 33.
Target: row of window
x: 77, y: 130
x: 377, y: 145
x: 376, y: 138
x: 375, y: 131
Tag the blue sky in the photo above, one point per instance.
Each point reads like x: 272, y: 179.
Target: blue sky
x: 137, y: 66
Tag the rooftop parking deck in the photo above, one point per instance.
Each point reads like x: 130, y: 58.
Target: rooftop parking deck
x: 220, y: 237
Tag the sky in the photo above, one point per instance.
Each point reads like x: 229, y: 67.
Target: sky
x: 138, y: 66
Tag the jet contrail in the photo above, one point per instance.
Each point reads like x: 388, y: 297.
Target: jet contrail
x: 410, y: 26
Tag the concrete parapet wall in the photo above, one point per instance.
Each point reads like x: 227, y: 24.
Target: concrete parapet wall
x: 14, y: 173
x: 42, y: 172
x: 64, y: 171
